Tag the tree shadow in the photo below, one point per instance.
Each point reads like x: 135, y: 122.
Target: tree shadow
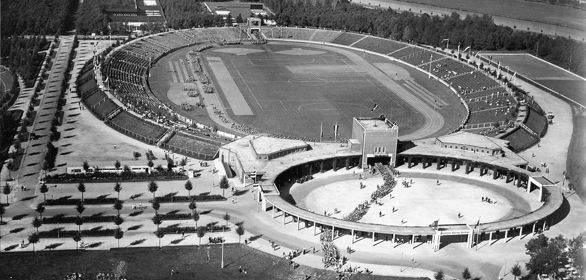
x: 172, y: 212
x: 69, y: 129
x: 95, y: 244
x: 16, y: 230
x: 134, y: 227
x: 98, y: 214
x: 253, y: 238
x: 134, y: 214
x: 65, y: 153
x: 28, y: 198
x: 96, y: 228
x: 74, y: 115
x: 30, y: 174
x: 239, y: 192
x: 204, y: 193
x: 169, y: 195
x: 102, y: 196
x: 205, y: 212
x: 137, y: 242
x: 19, y: 217
x: 70, y: 136
x: 11, y: 247
x: 135, y: 196
x: 66, y: 145
x: 177, y: 241
x: 53, y: 246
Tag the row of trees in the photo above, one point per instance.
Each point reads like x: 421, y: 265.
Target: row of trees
x: 478, y: 32
x: 46, y: 17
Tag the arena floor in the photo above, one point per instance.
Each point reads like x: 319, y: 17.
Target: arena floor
x: 419, y: 205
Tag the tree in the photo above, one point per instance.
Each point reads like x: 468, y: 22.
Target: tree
x: 79, y: 222
x: 240, y: 231
x: 2, y: 212
x: 224, y: 184
x: 40, y: 209
x: 33, y: 239
x: 516, y: 270
x: 201, y: 231
x: 117, y: 165
x: 118, y: 234
x: 86, y: 166
x: 160, y: 234
x: 44, y: 189
x: 151, y: 164
x: 77, y: 237
x: 118, y: 221
x: 466, y: 274
x: 226, y: 218
x: 37, y: 223
x: 157, y: 220
x: 118, y: 188
x: 6, y: 190
x: 439, y: 275
x: 156, y: 205
x: 152, y: 187
x: 576, y: 252
x: 80, y: 208
x: 547, y: 255
x: 81, y: 188
x: 195, y: 217
x: 118, y: 204
x: 192, y: 206
x: 188, y: 187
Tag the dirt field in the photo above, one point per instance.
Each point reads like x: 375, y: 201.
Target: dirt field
x: 293, y: 88
x: 418, y: 205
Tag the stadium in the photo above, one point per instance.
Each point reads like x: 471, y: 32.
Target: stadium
x: 198, y: 92
x: 289, y: 140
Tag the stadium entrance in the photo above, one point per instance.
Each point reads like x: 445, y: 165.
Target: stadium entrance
x: 376, y: 139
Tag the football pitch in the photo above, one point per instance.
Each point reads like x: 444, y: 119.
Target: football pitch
x: 297, y: 88
x: 553, y: 77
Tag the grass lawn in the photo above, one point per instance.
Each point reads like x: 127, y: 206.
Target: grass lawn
x: 189, y: 262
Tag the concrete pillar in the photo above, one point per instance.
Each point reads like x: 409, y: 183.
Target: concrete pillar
x: 453, y: 165
x: 314, y: 228
x: 321, y: 166
x: 439, y: 163
x: 413, y: 239
x: 393, y: 240
x: 533, y: 230
x: 352, y: 236
x: 284, y: 216
x: 274, y: 211
x: 528, y: 186
x: 506, y: 234
x: 520, y: 231
x: 409, y: 159
x: 311, y: 169
x: 333, y: 233
x: 423, y: 162
x: 373, y: 238
x: 544, y: 222
x: 468, y: 167
x: 495, y: 173
x: 298, y: 221
x: 508, y: 176
x: 518, y: 180
x: 489, y: 238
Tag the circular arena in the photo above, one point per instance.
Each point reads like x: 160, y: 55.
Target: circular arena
x: 210, y: 93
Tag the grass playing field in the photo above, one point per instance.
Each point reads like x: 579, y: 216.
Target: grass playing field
x: 188, y: 262
x: 294, y: 88
x: 551, y: 76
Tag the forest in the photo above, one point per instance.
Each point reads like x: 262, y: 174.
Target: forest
x: 480, y: 33
x: 24, y: 55
x: 36, y: 17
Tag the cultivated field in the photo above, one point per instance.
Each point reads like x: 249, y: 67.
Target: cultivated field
x: 551, y: 76
x: 294, y: 88
x: 419, y: 205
